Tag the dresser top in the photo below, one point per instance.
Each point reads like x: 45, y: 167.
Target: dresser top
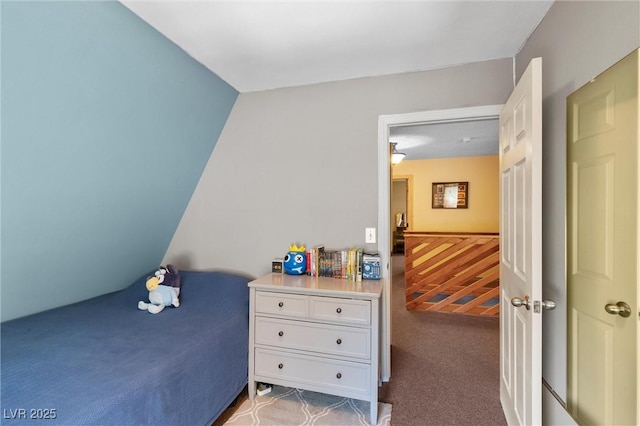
x: 305, y: 284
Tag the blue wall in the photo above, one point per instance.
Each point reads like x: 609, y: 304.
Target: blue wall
x: 106, y: 129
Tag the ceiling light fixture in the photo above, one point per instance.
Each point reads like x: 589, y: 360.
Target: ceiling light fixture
x: 396, y: 156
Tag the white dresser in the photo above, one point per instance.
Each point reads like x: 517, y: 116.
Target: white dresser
x: 316, y: 333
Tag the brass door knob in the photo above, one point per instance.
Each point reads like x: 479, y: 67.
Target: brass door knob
x: 620, y: 308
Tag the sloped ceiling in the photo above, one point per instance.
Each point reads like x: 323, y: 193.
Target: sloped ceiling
x: 258, y: 45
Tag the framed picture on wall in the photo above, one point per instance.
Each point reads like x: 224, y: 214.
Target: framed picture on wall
x: 450, y: 195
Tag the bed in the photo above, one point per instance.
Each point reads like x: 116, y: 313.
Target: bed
x: 103, y: 361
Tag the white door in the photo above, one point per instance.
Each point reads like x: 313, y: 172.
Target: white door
x: 602, y: 241
x: 520, y: 250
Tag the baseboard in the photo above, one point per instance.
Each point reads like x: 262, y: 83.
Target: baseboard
x: 554, y: 409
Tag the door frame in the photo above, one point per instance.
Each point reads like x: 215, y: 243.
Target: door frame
x: 385, y: 122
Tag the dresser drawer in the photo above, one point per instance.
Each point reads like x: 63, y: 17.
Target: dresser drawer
x: 344, y: 311
x: 343, y: 376
x: 308, y: 336
x: 290, y: 305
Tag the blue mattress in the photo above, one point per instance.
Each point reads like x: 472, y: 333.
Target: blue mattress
x: 103, y: 361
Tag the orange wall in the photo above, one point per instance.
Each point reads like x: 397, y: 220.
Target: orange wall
x: 483, y: 177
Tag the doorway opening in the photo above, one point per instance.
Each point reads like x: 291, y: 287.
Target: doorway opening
x: 400, y: 211
x: 385, y: 125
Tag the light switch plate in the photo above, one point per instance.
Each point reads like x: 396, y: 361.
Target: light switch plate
x: 370, y: 235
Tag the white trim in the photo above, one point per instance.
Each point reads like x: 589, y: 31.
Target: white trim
x: 384, y: 196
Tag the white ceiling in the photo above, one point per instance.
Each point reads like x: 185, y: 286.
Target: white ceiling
x: 257, y: 44
x: 442, y: 140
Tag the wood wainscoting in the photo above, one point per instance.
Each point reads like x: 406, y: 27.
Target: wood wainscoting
x: 453, y: 272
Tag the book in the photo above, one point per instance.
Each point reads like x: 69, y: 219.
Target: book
x: 339, y: 263
x: 371, y: 266
x: 314, y: 256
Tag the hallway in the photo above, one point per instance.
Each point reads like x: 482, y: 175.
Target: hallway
x: 444, y: 367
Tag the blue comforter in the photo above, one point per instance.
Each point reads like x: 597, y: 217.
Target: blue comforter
x: 103, y: 361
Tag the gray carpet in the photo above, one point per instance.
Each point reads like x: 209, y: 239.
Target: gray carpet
x: 288, y: 406
x: 444, y: 367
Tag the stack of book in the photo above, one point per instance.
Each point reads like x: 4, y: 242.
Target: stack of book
x: 344, y: 264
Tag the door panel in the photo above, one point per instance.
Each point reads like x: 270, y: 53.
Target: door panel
x: 507, y: 215
x: 520, y: 246
x: 602, y: 216
x: 594, y: 346
x: 520, y: 363
x: 593, y: 186
x: 520, y: 206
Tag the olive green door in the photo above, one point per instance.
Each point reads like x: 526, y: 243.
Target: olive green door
x: 602, y: 241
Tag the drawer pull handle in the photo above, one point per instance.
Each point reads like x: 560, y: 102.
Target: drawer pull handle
x: 339, y: 310
x: 339, y: 341
x: 281, y: 333
x: 280, y: 366
x: 339, y: 375
x: 281, y: 304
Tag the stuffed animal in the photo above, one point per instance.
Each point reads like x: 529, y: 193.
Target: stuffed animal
x: 164, y: 289
x: 295, y: 262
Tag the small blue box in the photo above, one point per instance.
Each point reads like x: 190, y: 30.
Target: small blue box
x: 370, y: 267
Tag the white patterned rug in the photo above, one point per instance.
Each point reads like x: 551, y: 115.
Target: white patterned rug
x: 287, y: 406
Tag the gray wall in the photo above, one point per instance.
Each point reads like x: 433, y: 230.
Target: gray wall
x: 300, y: 164
x: 577, y: 41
